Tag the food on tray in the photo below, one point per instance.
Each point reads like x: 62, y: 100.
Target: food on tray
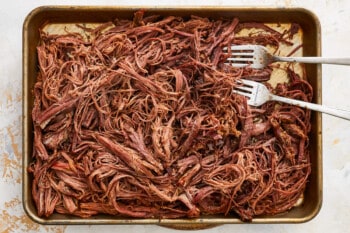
x: 137, y: 118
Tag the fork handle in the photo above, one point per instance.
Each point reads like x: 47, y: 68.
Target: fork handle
x: 344, y: 114
x: 324, y: 60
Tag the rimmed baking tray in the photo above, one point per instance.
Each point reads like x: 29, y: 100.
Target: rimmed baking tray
x: 311, y: 40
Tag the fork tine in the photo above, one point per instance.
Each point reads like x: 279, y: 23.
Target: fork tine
x: 238, y: 65
x: 256, y: 56
x: 240, y: 59
x: 247, y: 82
x: 242, y: 47
x: 241, y: 54
x: 246, y: 94
x: 244, y: 89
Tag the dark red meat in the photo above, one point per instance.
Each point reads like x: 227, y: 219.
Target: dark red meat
x: 139, y: 120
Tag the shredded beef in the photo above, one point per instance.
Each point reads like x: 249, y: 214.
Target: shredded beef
x: 138, y: 119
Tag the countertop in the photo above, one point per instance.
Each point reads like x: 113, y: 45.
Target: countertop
x: 334, y: 16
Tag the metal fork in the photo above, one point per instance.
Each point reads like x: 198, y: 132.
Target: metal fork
x: 258, y: 94
x: 257, y: 57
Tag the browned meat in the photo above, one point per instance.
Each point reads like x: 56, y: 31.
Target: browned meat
x: 138, y: 119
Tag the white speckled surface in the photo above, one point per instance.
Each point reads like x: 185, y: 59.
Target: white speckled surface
x: 334, y: 216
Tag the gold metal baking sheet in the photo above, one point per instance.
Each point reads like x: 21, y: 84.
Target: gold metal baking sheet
x: 311, y: 39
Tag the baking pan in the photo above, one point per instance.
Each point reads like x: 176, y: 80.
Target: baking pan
x: 311, y: 40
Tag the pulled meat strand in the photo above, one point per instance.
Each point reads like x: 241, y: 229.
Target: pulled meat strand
x: 139, y: 120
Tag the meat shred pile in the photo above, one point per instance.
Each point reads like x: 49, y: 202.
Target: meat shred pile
x: 137, y: 118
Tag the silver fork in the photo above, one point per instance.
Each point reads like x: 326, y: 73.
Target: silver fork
x: 257, y: 57
x: 258, y: 94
